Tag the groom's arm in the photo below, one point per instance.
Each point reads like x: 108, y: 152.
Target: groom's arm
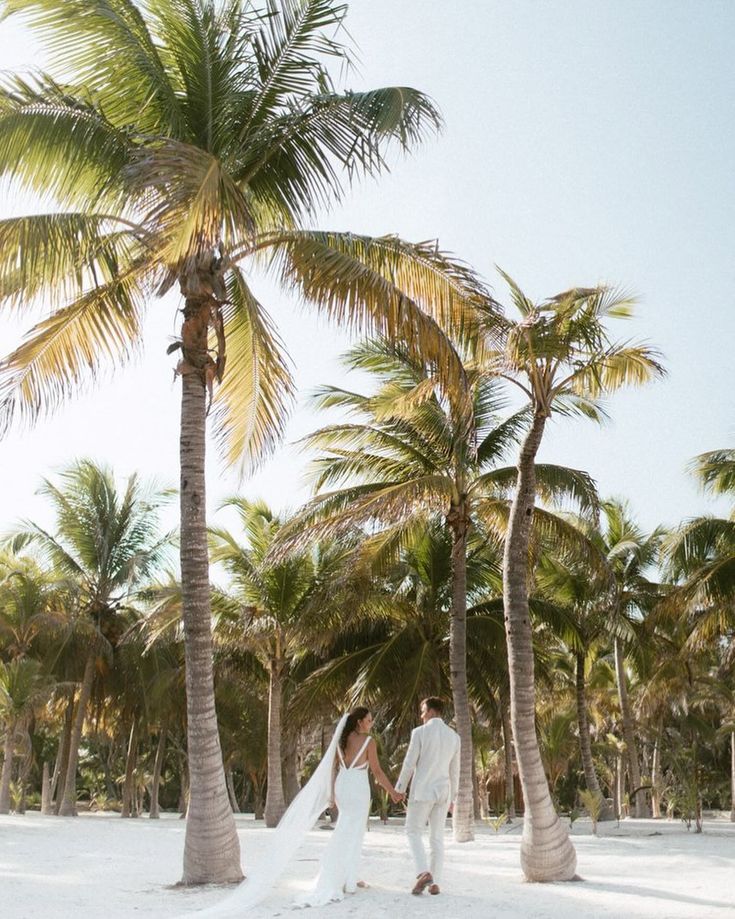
x: 409, y: 763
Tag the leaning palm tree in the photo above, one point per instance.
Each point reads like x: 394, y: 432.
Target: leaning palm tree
x: 106, y: 543
x: 182, y: 141
x: 560, y: 354
x: 411, y: 454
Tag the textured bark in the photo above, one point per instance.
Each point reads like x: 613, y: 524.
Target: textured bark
x: 129, y: 801
x: 62, y: 760
x: 275, y: 801
x: 616, y: 788
x: 639, y: 805
x: 68, y: 806
x: 732, y: 777
x: 211, y: 847
x: 46, y: 806
x: 547, y: 853
x: 464, y: 811
x: 291, y: 786
x: 510, y: 793
x: 155, y: 811
x: 585, y: 744
x: 229, y: 778
x: 7, y: 767
x: 656, y: 776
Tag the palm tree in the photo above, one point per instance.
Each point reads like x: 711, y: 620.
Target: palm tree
x: 560, y: 355
x: 106, y: 543
x: 275, y: 609
x: 181, y: 140
x: 630, y: 555
x: 413, y: 453
x: 23, y: 686
x: 580, y: 591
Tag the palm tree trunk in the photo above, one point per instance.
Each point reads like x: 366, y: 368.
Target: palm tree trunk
x: 616, y: 787
x: 291, y: 785
x: 7, y: 767
x: 732, y: 776
x: 585, y: 744
x: 46, y: 806
x: 631, y: 747
x: 62, y: 760
x: 510, y: 793
x: 464, y: 810
x: 547, y: 853
x: 230, y: 779
x: 155, y: 811
x: 129, y: 805
x: 68, y: 806
x: 211, y: 846
x: 275, y: 802
x: 656, y: 775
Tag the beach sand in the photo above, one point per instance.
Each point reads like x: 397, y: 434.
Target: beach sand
x: 99, y: 865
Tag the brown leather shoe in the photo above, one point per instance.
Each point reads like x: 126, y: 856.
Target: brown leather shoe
x: 434, y: 889
x: 422, y: 882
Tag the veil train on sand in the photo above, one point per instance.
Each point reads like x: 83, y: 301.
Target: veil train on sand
x: 286, y: 839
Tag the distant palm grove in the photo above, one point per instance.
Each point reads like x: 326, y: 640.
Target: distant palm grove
x: 186, y: 145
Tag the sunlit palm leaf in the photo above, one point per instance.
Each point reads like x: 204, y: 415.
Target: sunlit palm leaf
x: 65, y: 352
x: 253, y: 403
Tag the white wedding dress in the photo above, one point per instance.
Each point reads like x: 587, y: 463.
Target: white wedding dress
x: 339, y: 864
x: 338, y: 868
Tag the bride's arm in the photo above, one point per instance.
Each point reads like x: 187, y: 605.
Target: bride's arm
x: 380, y: 777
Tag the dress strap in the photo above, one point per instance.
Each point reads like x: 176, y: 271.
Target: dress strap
x: 341, y: 757
x: 360, y: 752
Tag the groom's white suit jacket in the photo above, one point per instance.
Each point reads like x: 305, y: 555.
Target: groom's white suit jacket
x: 431, y: 763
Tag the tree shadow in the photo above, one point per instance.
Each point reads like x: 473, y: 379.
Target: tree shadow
x: 635, y: 890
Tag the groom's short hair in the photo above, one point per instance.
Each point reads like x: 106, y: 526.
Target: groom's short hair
x: 435, y: 704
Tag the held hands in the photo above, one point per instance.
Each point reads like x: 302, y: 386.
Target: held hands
x: 396, y: 796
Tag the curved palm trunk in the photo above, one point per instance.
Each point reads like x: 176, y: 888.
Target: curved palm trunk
x: 585, y: 745
x: 230, y: 779
x: 631, y: 747
x: 547, y: 853
x: 211, y: 847
x: 68, y: 806
x: 275, y: 801
x: 510, y: 792
x: 464, y: 812
x: 7, y: 767
x: 155, y: 811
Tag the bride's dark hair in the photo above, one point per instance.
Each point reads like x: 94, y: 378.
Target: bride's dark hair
x: 357, y: 714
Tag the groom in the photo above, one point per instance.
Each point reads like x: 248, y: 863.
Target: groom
x: 432, y: 767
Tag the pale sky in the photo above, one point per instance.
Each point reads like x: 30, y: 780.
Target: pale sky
x: 585, y: 141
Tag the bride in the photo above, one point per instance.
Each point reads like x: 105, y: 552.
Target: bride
x: 342, y: 778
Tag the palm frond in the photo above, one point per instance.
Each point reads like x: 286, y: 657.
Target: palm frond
x: 69, y: 349
x: 253, y: 404
x: 106, y: 46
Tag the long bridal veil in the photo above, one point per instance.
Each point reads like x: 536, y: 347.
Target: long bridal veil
x: 285, y: 840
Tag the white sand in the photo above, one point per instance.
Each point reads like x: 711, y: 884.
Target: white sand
x: 103, y: 867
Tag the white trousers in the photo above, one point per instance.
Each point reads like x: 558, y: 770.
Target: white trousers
x: 418, y: 814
